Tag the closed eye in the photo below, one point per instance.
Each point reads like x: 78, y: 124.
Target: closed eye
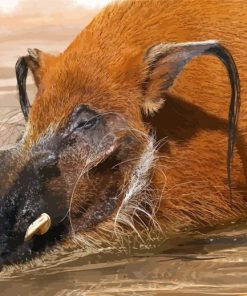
x: 87, y: 124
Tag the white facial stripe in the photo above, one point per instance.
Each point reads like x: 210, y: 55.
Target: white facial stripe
x: 139, y: 178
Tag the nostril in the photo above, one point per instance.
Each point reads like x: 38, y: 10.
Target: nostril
x: 50, y: 171
x: 46, y: 165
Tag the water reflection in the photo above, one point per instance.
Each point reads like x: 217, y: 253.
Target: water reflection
x: 196, y: 264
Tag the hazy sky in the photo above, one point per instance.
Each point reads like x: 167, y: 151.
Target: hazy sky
x: 38, y: 18
x: 8, y: 6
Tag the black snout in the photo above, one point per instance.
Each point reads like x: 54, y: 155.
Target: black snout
x: 38, y: 189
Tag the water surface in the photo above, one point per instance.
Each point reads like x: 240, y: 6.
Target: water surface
x: 198, y: 264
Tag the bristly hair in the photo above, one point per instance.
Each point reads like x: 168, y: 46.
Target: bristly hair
x: 225, y: 56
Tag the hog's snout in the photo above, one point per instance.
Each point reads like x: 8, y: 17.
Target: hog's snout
x: 37, y: 188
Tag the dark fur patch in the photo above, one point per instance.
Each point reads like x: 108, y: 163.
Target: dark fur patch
x: 225, y: 56
x: 21, y: 69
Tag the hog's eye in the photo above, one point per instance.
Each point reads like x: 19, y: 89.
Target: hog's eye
x: 87, y: 124
x: 83, y: 118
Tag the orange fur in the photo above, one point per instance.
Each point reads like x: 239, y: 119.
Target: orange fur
x: 103, y: 68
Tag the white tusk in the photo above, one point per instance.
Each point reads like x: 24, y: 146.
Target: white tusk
x: 40, y: 226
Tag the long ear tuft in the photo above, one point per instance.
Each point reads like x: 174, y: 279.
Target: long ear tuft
x: 21, y: 69
x: 23, y: 64
x: 37, y: 61
x: 165, y: 61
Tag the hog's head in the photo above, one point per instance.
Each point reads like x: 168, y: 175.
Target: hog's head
x: 84, y: 165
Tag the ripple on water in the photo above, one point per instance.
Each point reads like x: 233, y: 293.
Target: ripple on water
x: 202, y: 264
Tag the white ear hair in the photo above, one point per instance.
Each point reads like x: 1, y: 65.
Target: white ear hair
x: 162, y: 48
x: 164, y: 61
x: 34, y: 54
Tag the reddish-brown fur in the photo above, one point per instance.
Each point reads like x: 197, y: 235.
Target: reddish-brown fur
x: 103, y: 68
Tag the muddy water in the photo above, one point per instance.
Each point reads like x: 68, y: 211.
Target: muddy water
x: 212, y: 264
x: 200, y: 264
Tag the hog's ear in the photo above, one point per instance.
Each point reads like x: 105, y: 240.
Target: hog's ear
x: 38, y: 62
x: 165, y: 61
